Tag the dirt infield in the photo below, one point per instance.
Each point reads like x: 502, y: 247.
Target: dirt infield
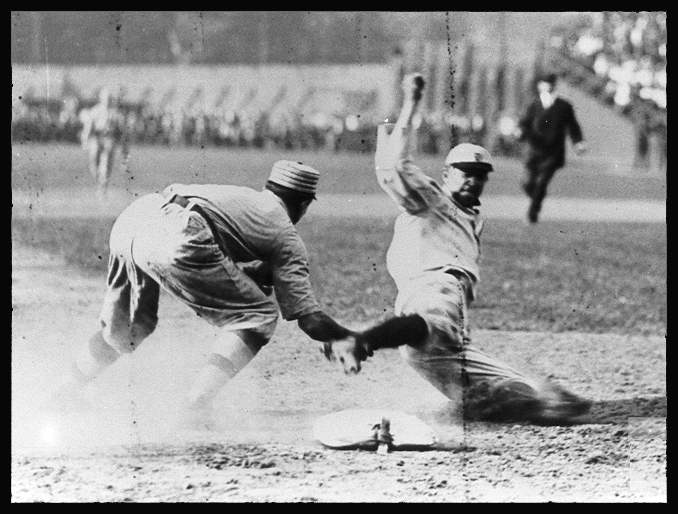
x: 131, y: 446
x: 262, y: 450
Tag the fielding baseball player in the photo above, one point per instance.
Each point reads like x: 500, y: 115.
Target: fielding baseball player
x: 226, y: 252
x: 434, y: 261
x: 102, y: 135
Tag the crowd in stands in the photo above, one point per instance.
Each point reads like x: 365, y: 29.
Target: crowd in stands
x: 61, y: 121
x: 621, y: 58
x: 626, y: 50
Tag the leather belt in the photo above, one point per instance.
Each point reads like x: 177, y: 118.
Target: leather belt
x: 187, y: 204
x: 457, y: 273
x: 465, y: 279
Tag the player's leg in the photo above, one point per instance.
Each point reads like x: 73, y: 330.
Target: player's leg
x: 128, y: 314
x: 93, y: 356
x: 484, y: 387
x: 232, y: 351
x: 487, y: 389
x: 93, y: 151
x: 440, y: 300
x: 105, y: 166
x: 546, y: 170
x: 531, y: 172
x: 198, y: 273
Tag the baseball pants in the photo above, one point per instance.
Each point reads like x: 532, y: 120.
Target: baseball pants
x: 446, y: 359
x: 539, y: 171
x: 156, y: 244
x: 101, y: 159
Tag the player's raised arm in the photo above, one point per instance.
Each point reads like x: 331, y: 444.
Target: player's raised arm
x: 394, y: 142
x: 396, y: 173
x: 402, y: 137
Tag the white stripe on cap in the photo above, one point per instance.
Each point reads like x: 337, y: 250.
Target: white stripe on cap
x: 295, y: 175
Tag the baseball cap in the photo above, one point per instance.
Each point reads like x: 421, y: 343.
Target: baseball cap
x: 295, y: 175
x: 467, y: 156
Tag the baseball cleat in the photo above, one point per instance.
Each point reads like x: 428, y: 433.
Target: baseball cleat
x: 560, y: 406
x: 501, y: 402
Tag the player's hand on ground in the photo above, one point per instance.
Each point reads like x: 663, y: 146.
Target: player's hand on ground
x: 581, y: 148
x: 347, y: 353
x: 413, y: 86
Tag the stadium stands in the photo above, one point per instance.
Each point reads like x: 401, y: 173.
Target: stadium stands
x: 616, y: 57
x: 619, y: 58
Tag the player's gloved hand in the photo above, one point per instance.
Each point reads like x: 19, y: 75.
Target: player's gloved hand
x: 348, y: 353
x: 413, y: 86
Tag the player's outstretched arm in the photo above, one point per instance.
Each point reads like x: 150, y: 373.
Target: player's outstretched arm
x: 394, y: 332
x: 339, y: 344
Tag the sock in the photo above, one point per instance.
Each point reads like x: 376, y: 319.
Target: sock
x: 94, y: 357
x: 231, y: 353
x: 210, y: 380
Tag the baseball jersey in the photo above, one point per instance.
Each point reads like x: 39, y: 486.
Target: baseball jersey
x: 433, y: 232
x: 254, y: 226
x: 105, y: 121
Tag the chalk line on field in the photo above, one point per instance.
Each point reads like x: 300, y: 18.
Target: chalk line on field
x: 81, y: 202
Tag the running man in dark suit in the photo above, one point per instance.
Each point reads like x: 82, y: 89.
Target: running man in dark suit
x: 545, y: 126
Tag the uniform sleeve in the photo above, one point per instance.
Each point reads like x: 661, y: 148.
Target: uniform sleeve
x: 409, y: 187
x: 525, y: 123
x: 575, y: 131
x: 290, y: 274
x: 400, y: 178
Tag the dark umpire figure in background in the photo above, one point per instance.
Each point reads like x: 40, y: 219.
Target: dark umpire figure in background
x: 545, y: 126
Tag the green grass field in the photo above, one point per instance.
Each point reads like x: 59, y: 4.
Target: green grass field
x: 584, y: 277
x: 561, y: 276
x: 40, y: 167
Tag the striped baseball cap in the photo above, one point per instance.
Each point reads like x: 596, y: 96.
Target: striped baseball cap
x: 295, y: 175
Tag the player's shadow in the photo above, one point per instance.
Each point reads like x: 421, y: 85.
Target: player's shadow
x: 618, y: 412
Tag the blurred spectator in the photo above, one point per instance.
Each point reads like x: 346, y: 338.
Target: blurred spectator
x: 626, y: 55
x: 546, y: 125
x: 169, y: 123
x: 626, y: 48
x: 103, y: 134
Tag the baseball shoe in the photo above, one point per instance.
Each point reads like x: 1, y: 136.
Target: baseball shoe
x: 532, y: 217
x: 504, y: 401
x: 559, y: 406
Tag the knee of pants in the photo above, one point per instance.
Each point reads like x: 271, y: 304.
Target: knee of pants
x: 262, y: 334
x: 126, y: 337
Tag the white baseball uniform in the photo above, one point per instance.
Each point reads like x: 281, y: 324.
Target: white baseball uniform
x: 434, y: 260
